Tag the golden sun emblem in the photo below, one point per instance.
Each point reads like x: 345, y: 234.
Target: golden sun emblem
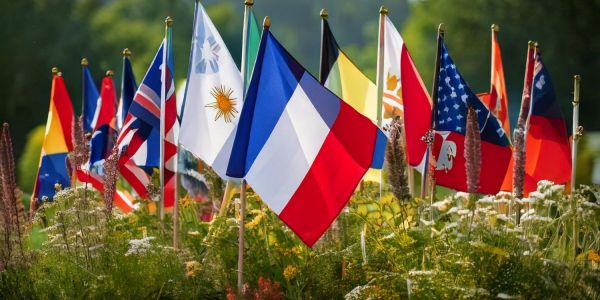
x: 224, y: 103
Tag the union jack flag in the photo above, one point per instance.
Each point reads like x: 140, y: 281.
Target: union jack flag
x: 153, y: 112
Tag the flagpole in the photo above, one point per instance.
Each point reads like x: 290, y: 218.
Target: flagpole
x: 163, y: 99
x: 383, y: 11
x: 430, y: 136
x: 244, y: 66
x: 577, y: 130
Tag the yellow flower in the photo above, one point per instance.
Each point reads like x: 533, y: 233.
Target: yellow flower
x: 144, y: 231
x: 593, y: 256
x: 192, y: 268
x: 255, y: 221
x: 290, y: 272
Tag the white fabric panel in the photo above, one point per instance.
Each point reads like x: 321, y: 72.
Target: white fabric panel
x: 289, y: 152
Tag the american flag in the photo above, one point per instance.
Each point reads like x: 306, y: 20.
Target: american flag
x: 454, y: 99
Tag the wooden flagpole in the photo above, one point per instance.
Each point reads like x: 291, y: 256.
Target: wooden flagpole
x: 577, y: 133
x: 383, y: 11
x: 577, y: 130
x: 163, y: 99
x: 240, y: 272
x: 429, y: 138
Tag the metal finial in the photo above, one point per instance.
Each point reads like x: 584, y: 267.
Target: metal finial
x: 495, y: 27
x: 324, y: 14
x: 109, y: 73
x: 267, y: 22
x: 84, y: 62
x: 169, y: 21
x: 249, y: 2
x: 54, y: 71
x: 126, y: 52
x: 441, y: 28
x: 531, y: 43
x: 383, y: 10
x: 536, y: 45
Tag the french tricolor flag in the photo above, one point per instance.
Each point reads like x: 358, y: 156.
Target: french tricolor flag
x: 301, y: 148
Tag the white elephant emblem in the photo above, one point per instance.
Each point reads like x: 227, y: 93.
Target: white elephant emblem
x: 447, y: 153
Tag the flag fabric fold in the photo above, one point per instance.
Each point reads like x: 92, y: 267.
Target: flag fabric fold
x: 213, y: 96
x: 301, y: 148
x: 57, y: 143
x: 139, y: 139
x: 128, y: 89
x: 341, y: 76
x: 169, y: 124
x: 454, y: 100
x: 496, y: 100
x: 546, y: 136
x: 91, y: 100
x: 404, y: 93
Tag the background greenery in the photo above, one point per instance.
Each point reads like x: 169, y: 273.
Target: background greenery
x: 39, y: 34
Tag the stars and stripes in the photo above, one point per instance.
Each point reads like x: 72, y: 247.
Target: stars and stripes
x: 453, y: 101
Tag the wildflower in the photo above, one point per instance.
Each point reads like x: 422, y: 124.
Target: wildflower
x: 194, y: 233
x: 192, y: 268
x: 290, y: 272
x: 144, y: 231
x: 255, y: 221
x: 472, y: 151
x: 396, y: 160
x: 519, y: 158
x: 110, y: 179
x: 593, y: 256
x: 139, y: 246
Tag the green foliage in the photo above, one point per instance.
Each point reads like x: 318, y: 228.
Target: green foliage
x: 412, y: 250
x: 30, y: 159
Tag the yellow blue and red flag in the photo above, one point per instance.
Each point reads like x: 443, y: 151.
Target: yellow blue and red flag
x: 57, y: 143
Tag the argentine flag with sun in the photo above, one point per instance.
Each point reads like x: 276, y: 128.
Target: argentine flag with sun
x: 213, y: 97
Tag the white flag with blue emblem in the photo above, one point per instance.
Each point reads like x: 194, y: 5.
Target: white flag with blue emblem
x: 213, y: 96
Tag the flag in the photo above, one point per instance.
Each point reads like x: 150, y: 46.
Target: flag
x: 301, y: 148
x: 91, y: 98
x: 547, y: 149
x: 57, y: 143
x: 213, y: 97
x: 252, y: 43
x: 507, y: 185
x: 128, y: 89
x: 139, y: 139
x: 169, y: 124
x: 341, y: 76
x: 454, y: 99
x: 104, y: 134
x: 496, y: 99
x: 404, y: 94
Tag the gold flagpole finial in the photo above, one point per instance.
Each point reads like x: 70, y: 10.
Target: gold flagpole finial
x: 248, y: 2
x: 383, y: 10
x: 84, y: 62
x: 54, y: 71
x: 109, y: 73
x: 536, y: 45
x: 267, y: 22
x: 495, y: 27
x: 441, y: 28
x: 169, y: 21
x: 126, y: 52
x: 323, y: 14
